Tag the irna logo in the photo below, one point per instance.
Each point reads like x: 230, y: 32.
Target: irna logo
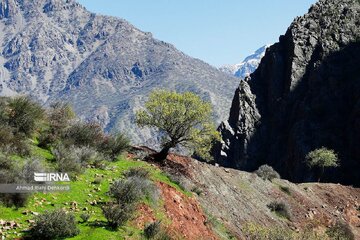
x: 51, y: 177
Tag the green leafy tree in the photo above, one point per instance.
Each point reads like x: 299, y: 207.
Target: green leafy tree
x: 182, y: 118
x: 322, y: 158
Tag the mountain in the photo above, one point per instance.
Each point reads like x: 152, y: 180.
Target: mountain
x: 304, y: 95
x: 246, y: 67
x: 56, y: 50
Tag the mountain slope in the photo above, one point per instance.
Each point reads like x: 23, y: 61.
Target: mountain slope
x: 304, y: 95
x: 57, y: 50
x: 247, y: 66
x: 235, y: 200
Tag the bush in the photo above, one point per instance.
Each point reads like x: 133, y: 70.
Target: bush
x: 53, y: 225
x: 73, y: 159
x: 267, y: 173
x: 13, y: 143
x: 67, y: 159
x: 280, y: 208
x: 11, y: 173
x: 84, y: 135
x: 113, y: 146
x: 152, y: 229
x: 24, y: 115
x: 59, y: 117
x: 85, y: 217
x: 133, y: 189
x: 285, y: 190
x: 118, y: 214
x: 17, y: 200
x: 340, y: 231
x: 137, y: 172
x: 27, y: 172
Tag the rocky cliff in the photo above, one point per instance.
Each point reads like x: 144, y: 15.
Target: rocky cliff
x: 305, y: 94
x: 57, y: 50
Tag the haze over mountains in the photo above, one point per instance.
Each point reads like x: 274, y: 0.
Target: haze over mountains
x: 56, y: 50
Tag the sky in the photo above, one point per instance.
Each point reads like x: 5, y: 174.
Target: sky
x: 216, y: 31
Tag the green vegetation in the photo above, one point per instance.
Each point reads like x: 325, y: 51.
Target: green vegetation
x: 152, y: 229
x: 267, y: 173
x: 280, y: 208
x: 35, y: 140
x: 219, y: 228
x: 322, y: 158
x: 285, y: 190
x: 340, y: 231
x: 183, y: 119
x: 54, y: 225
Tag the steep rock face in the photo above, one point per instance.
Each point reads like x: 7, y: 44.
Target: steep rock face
x: 56, y: 50
x: 305, y: 94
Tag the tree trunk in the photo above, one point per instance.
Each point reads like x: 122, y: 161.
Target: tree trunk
x: 321, y: 173
x: 161, y: 156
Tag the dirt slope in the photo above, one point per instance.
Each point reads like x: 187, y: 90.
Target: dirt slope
x: 235, y: 198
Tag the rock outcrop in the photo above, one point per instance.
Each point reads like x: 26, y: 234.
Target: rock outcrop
x: 305, y: 94
x: 57, y: 50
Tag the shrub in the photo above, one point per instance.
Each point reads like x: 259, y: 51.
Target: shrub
x: 11, y: 173
x: 131, y: 190
x: 340, y: 231
x: 59, y: 117
x: 27, y: 172
x: 280, y: 208
x: 17, y: 200
x: 24, y: 115
x: 118, y: 214
x: 87, y: 155
x: 97, y: 181
x: 85, y: 217
x: 67, y: 159
x: 13, y: 143
x: 73, y: 159
x: 267, y: 173
x: 137, y: 172
x: 152, y: 229
x: 113, y: 146
x: 285, y: 190
x: 53, y: 225
x: 84, y: 134
x: 197, y: 190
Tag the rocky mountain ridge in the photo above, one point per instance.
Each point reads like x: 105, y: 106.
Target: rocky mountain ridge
x: 247, y: 66
x: 56, y: 50
x: 304, y: 95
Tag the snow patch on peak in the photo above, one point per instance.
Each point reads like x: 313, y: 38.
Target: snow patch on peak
x: 247, y: 66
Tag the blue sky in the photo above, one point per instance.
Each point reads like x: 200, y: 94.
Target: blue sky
x: 216, y: 31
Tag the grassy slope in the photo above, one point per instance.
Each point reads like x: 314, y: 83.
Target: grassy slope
x: 83, y: 191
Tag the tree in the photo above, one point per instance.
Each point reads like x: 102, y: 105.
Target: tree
x: 182, y: 119
x: 322, y: 158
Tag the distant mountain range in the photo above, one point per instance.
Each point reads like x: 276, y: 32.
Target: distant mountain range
x: 247, y: 66
x: 56, y: 50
